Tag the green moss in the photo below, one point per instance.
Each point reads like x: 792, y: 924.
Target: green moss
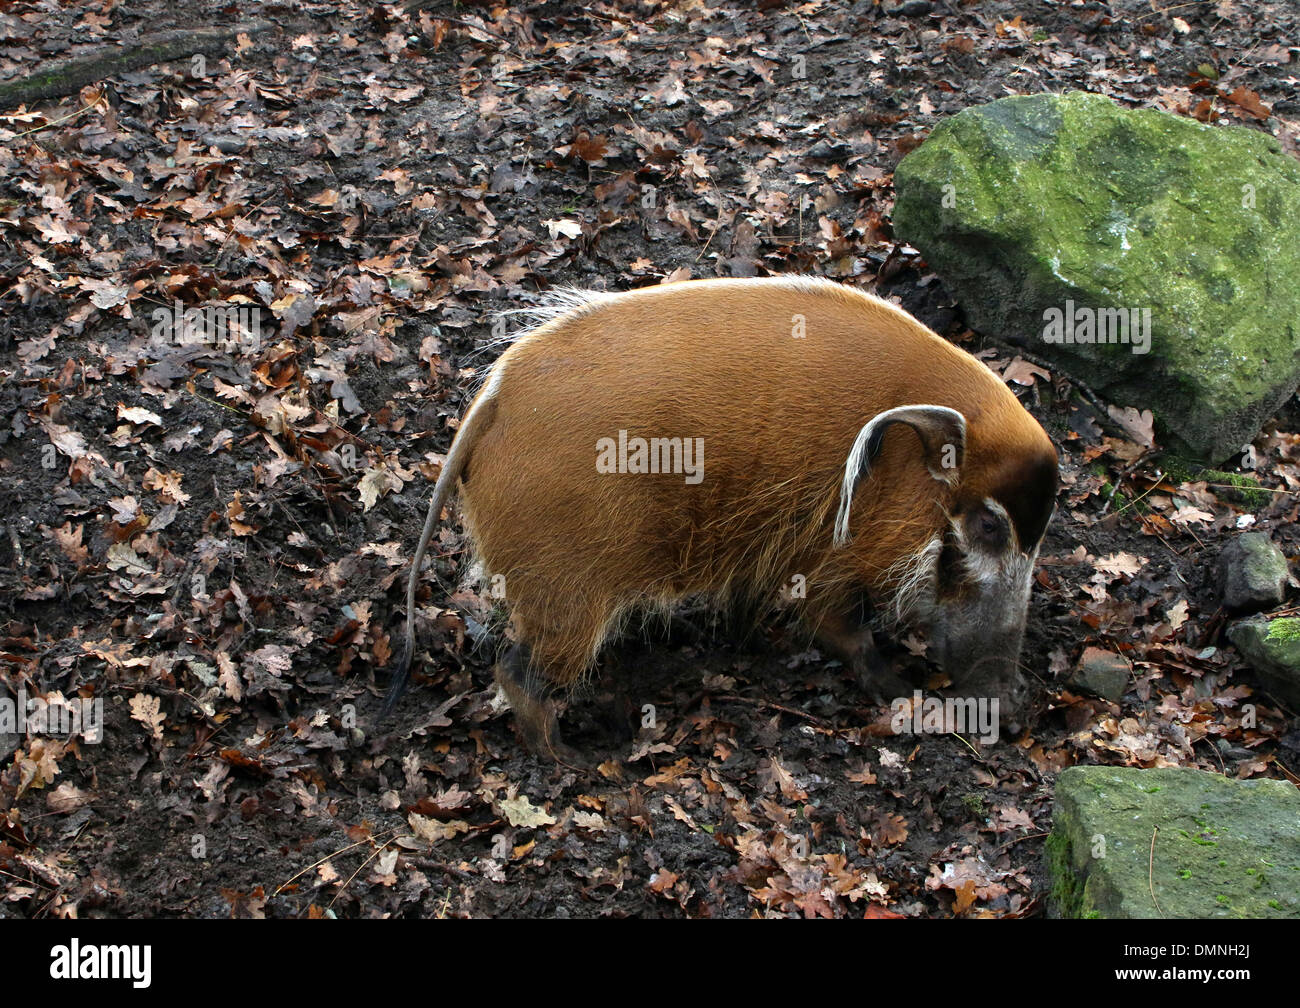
x: 1210, y: 835
x: 1120, y: 501
x: 1272, y: 648
x: 1242, y: 490
x: 1031, y: 201
x: 1284, y: 631
x: 975, y: 802
x: 1178, y: 469
x: 1067, y: 895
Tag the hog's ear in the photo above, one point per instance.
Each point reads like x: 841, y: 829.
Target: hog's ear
x: 942, y: 432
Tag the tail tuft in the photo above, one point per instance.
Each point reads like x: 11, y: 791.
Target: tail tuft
x: 397, y: 686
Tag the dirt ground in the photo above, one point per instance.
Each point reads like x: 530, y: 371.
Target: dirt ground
x: 215, y: 545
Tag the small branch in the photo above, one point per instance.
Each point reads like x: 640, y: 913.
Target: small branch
x: 764, y: 705
x: 1128, y: 471
x: 70, y: 75
x: 1151, y: 870
x: 1103, y: 415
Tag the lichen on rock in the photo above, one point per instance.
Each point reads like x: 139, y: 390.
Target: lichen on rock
x: 1060, y: 221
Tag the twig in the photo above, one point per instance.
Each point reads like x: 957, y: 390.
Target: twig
x: 1151, y: 870
x: 1010, y: 843
x: 1125, y: 473
x: 1214, y: 749
x: 776, y: 707
x: 1103, y: 415
x: 342, y: 850
x: 70, y: 75
x: 62, y: 119
x: 373, y: 854
x: 966, y: 742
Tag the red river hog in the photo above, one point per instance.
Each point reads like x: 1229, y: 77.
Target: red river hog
x: 730, y: 439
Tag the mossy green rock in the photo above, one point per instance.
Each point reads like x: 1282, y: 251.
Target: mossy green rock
x: 1029, y: 203
x: 1223, y: 847
x: 1272, y: 648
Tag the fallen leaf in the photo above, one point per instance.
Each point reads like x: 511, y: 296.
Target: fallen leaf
x: 148, y: 711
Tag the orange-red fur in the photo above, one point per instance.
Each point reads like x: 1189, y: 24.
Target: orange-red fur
x: 718, y: 360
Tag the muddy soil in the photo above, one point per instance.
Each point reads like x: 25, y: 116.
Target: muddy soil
x: 205, y: 551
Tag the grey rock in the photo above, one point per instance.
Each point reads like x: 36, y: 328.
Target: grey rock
x: 1252, y: 573
x: 1271, y: 647
x: 1102, y: 673
x: 1222, y: 848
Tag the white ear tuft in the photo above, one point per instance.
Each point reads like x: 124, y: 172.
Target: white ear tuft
x: 942, y: 431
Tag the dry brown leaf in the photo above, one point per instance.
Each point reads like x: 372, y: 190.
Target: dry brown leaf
x: 148, y: 711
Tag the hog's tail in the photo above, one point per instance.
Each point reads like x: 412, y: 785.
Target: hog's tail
x: 477, y: 420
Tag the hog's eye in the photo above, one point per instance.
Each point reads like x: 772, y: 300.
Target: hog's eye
x: 986, y: 529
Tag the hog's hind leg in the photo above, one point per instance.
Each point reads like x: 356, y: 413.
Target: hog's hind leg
x: 532, y: 697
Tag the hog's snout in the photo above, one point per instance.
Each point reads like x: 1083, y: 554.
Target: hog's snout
x: 995, y: 680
